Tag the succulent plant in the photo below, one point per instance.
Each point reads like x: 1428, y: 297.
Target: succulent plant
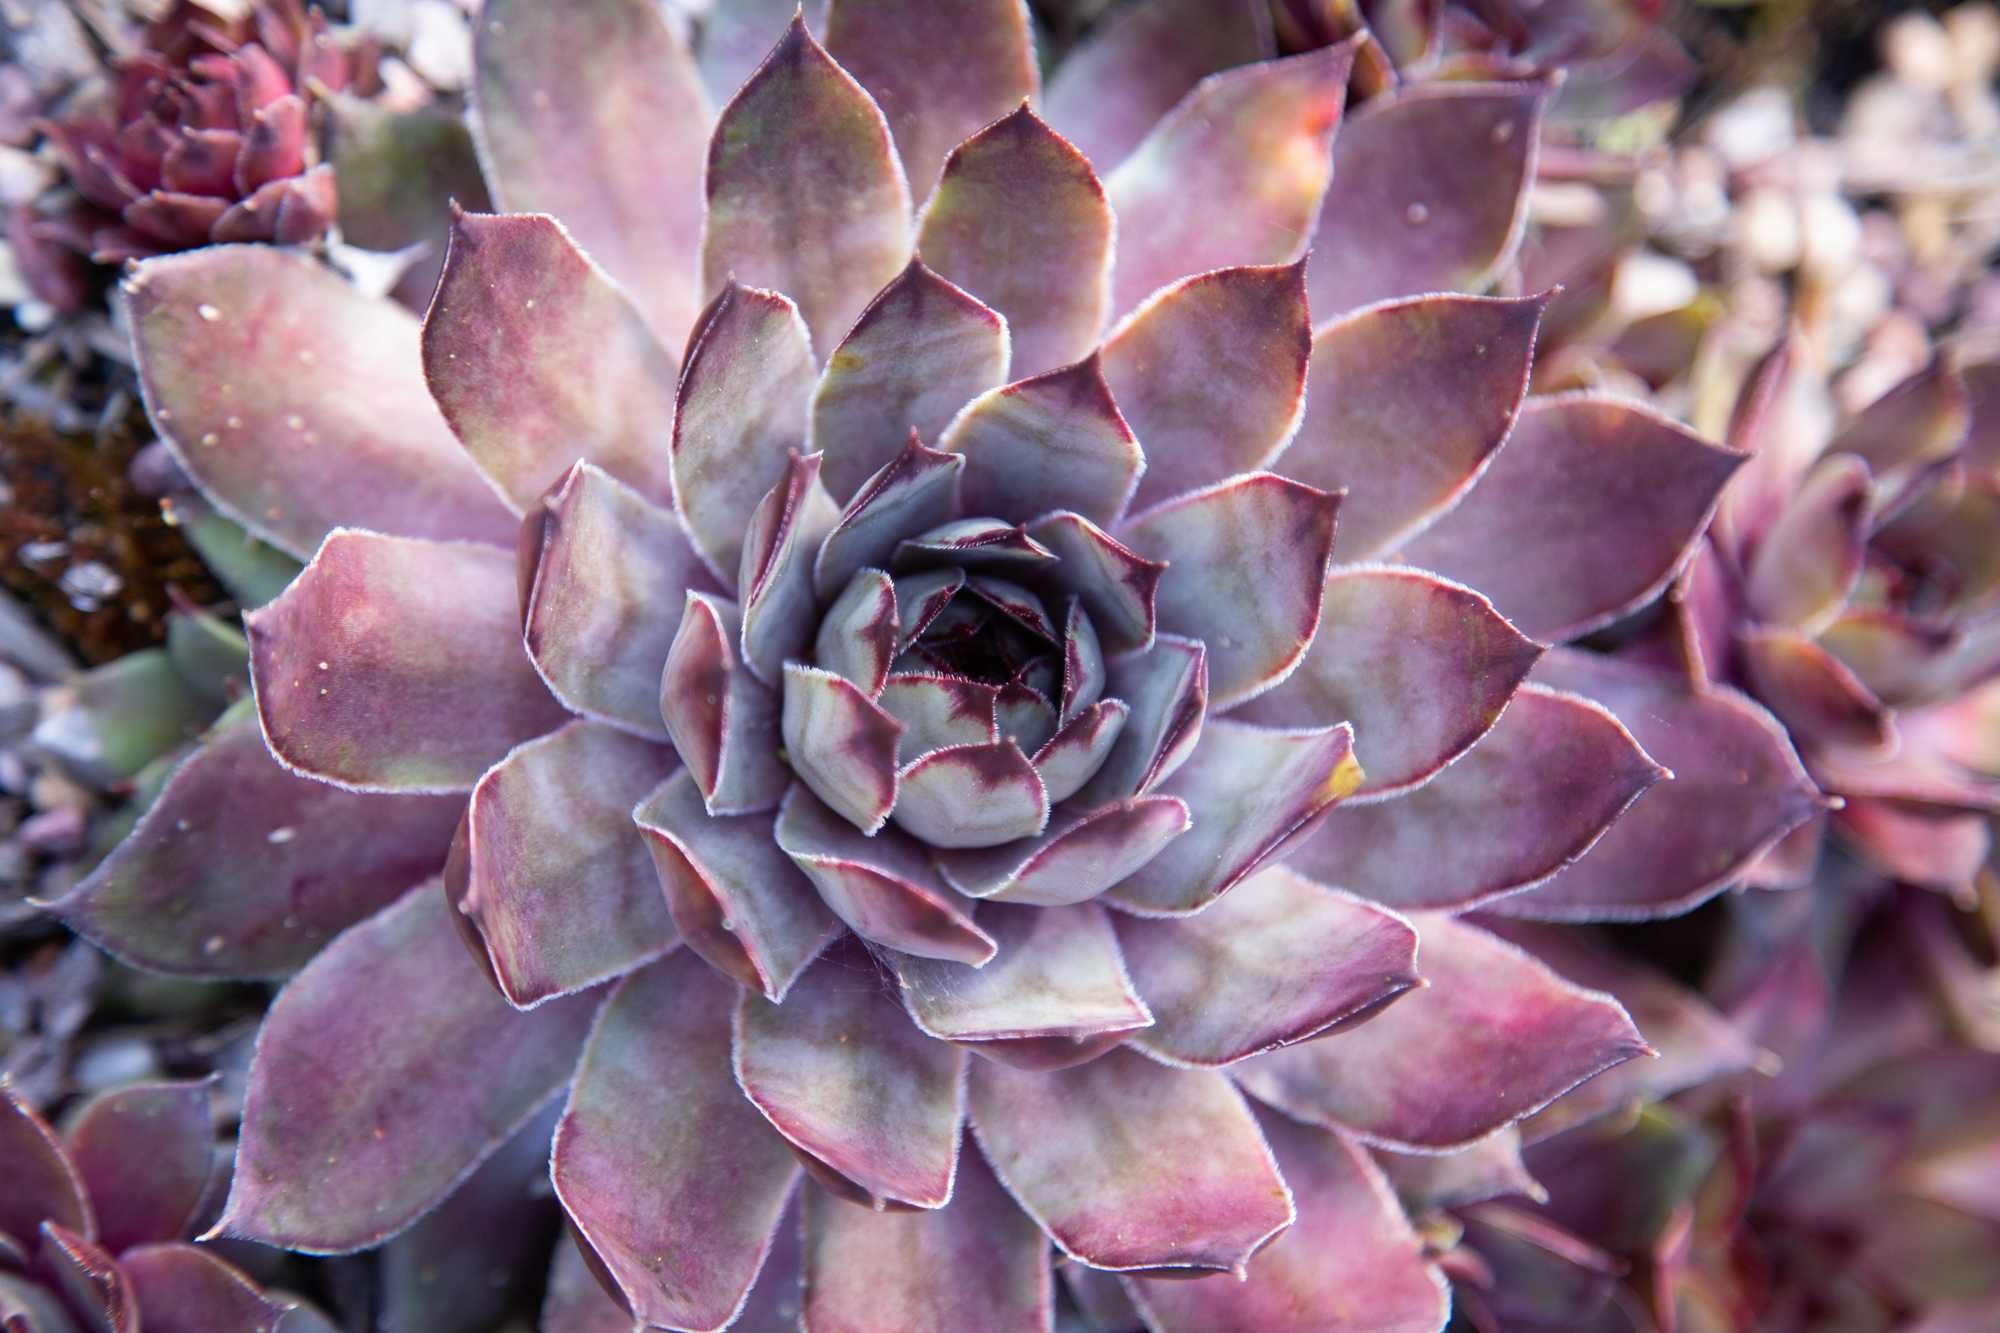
x: 910, y: 735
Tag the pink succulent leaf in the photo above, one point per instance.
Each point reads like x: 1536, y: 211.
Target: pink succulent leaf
x: 1808, y: 563
x: 42, y: 1182
x: 1129, y: 1165
x: 298, y: 404
x: 174, y: 220
x: 739, y: 417
x: 884, y: 886
x: 1054, y: 441
x: 1080, y: 854
x: 87, y: 1274
x: 1083, y: 672
x: 1074, y: 754
x: 972, y: 796
x: 939, y: 712
x: 1433, y: 192
x: 939, y: 72
x: 184, y: 1289
x: 921, y: 351
x: 1919, y: 846
x: 1920, y: 771
x: 1166, y: 688
x: 1054, y: 994
x: 1115, y: 585
x: 841, y: 745
x: 1422, y: 667
x: 1586, y: 515
x: 805, y: 195
x: 1536, y: 793
x: 1489, y: 1169
x: 1100, y: 1296
x: 1496, y: 1035
x: 776, y: 581
x: 984, y: 545
x: 1211, y: 374
x: 660, y: 1161
x: 596, y: 115
x: 1813, y: 692
x: 1909, y: 430
x: 292, y: 211
x: 537, y: 359
x: 915, y: 491
x: 1232, y: 175
x: 1471, y: 355
x: 840, y: 1071
x: 145, y: 1185
x: 577, y: 1303
x: 1020, y: 221
x: 1138, y: 62
x: 1277, y: 960
x: 559, y: 882
x: 609, y: 571
x: 274, y: 144
x: 242, y: 869
x: 361, y: 1113
x: 1896, y: 657
x: 859, y: 1274
x: 860, y: 633
x: 1784, y: 418
x: 393, y: 664
x: 1737, y: 789
x: 723, y: 720
x: 734, y: 895
x: 1351, y: 1250
x: 1246, y: 571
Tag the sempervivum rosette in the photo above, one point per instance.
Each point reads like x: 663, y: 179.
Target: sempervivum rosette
x: 931, y: 708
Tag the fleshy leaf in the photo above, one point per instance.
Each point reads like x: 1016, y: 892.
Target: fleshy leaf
x: 1166, y: 687
x: 775, y: 581
x: 184, y: 1289
x: 1246, y: 569
x: 1495, y: 1036
x: 1429, y: 1182
x: 723, y: 720
x: 1810, y: 560
x: 1587, y: 514
x: 595, y: 113
x: 972, y: 796
x: 1211, y: 374
x: 859, y: 634
x: 1233, y: 175
x: 1020, y: 221
x: 985, y: 545
x: 1405, y: 455
x: 1278, y: 960
x: 841, y: 744
x: 610, y: 574
x: 1913, y: 427
x: 1813, y: 692
x: 735, y: 897
x: 1115, y: 585
x: 385, y: 1071
x: 1130, y: 1165
x: 1054, y: 441
x: 805, y: 195
x: 89, y: 1276
x: 1432, y: 194
x: 393, y: 664
x: 920, y: 351
x: 1536, y: 793
x: 841, y: 1072
x: 674, y: 1179
x: 1420, y: 666
x: 939, y: 711
x: 537, y: 360
x: 1075, y: 753
x: 144, y: 1153
x: 914, y: 492
x: 1076, y: 858
x: 298, y: 404
x: 42, y: 1184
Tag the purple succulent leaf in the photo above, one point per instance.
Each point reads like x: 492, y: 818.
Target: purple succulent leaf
x: 734, y: 895
x: 144, y: 1154
x: 1023, y: 716
x: 1918, y: 846
x: 662, y: 1164
x: 1471, y: 356
x: 385, y: 1071
x: 537, y: 359
x: 1166, y: 688
x: 860, y: 1273
x: 1246, y: 570
x: 1537, y: 792
x: 1433, y: 192
x: 1489, y: 1169
x: 298, y: 404
x: 559, y: 882
x: 1056, y: 440
x: 1129, y: 1165
x: 860, y: 633
x: 972, y: 796
x: 842, y: 1073
x: 1813, y: 692
x: 1737, y: 789
x: 596, y: 115
x: 1909, y: 430
x: 578, y: 1303
x: 1587, y: 514
x: 1055, y: 993
x: 914, y: 492
x: 984, y: 545
x: 1080, y: 854
x: 1100, y: 1297
x: 1496, y: 1035
x: 1020, y: 221
x: 1278, y: 960
x: 805, y: 195
x: 922, y: 350
x: 42, y: 1182
x: 184, y: 1289
x: 939, y: 72
x: 243, y: 869
x: 775, y: 582
x: 1074, y: 754
x: 841, y: 744
x: 1351, y: 1259
x: 938, y: 712
x: 1115, y: 585
x: 609, y: 571
x: 89, y: 1277
x: 1135, y: 65
x: 723, y: 720
x: 1811, y: 558
x: 1894, y: 656
x: 1232, y: 175
x: 884, y: 886
x: 30, y: 1307
x: 1921, y: 771
x: 739, y: 417
x: 1083, y: 673
x: 1422, y: 667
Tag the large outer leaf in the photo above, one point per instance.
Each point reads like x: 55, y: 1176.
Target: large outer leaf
x: 182, y: 1289
x: 1054, y: 441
